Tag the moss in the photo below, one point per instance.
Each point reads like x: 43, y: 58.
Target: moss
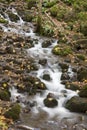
x: 83, y: 28
x: 54, y: 11
x: 81, y: 57
x: 82, y: 75
x: 77, y: 104
x: 31, y: 3
x: 50, y: 102
x: 13, y: 17
x: 68, y: 2
x: 2, y: 20
x: 49, y: 4
x: 13, y: 112
x: 83, y: 92
x: 28, y: 17
x: 82, y: 16
x: 46, y: 30
x: 4, y: 95
x: 62, y: 51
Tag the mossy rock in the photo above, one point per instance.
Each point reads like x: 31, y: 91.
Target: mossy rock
x: 50, y: 101
x: 80, y: 44
x: 46, y: 77
x: 83, y: 92
x: 40, y: 85
x: 46, y: 44
x: 62, y: 51
x: 82, y: 74
x: 65, y: 76
x: 43, y: 61
x: 4, y: 95
x: 81, y: 57
x: 2, y: 20
x: 27, y: 17
x: 64, y: 67
x: 13, y: 112
x: 77, y: 104
x: 13, y: 17
x: 31, y: 3
x: 72, y: 86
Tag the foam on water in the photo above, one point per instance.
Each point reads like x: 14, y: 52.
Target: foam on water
x: 54, y: 86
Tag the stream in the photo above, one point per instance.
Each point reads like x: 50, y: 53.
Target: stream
x: 42, y: 117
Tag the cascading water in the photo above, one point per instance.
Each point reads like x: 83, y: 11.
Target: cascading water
x: 54, y: 86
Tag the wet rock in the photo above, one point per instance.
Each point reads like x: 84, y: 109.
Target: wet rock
x: 64, y: 67
x: 10, y: 50
x: 40, y: 85
x: 65, y: 76
x: 77, y: 104
x: 50, y: 101
x: 46, y: 77
x: 7, y: 67
x: 82, y: 74
x: 27, y: 16
x: 83, y: 92
x: 46, y: 44
x: 43, y: 61
x: 2, y: 51
x: 72, y: 86
x: 2, y: 20
x: 13, y: 17
x: 31, y: 85
x: 13, y: 112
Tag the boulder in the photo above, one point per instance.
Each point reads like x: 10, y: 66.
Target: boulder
x: 64, y: 66
x: 77, y: 104
x: 13, y: 17
x: 13, y: 112
x: 83, y: 92
x: 5, y: 95
x: 46, y: 44
x: 43, y: 61
x: 50, y: 101
x: 62, y: 50
x: 72, y: 86
x: 82, y: 74
x: 46, y: 77
x: 10, y: 50
x: 65, y: 76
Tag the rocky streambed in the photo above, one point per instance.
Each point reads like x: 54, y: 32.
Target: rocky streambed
x: 49, y: 88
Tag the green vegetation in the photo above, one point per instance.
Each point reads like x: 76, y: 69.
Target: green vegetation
x: 81, y: 57
x: 62, y: 51
x: 31, y: 3
x: 13, y: 112
x: 4, y: 95
x: 2, y: 20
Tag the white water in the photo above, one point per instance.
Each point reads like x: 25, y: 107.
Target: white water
x: 54, y: 86
x: 37, y: 52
